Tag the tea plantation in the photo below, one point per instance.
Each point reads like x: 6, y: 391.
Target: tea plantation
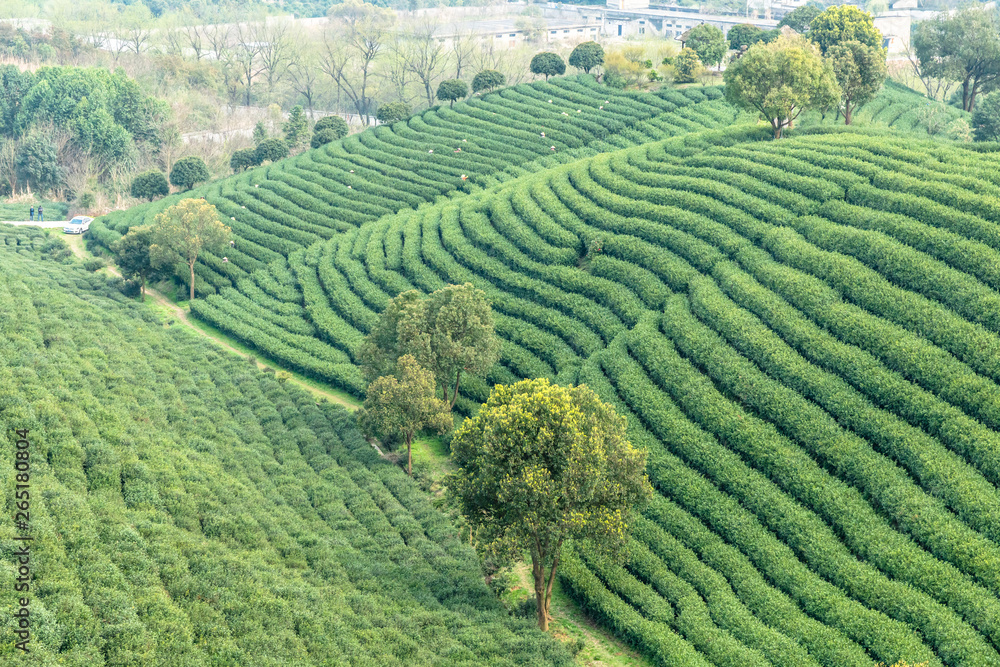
x: 805, y: 335
x: 188, y: 509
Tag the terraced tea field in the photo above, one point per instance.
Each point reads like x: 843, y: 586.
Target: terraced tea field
x: 805, y: 335
x: 189, y: 509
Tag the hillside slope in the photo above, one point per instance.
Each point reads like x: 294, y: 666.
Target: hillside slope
x: 188, y: 509
x: 804, y: 333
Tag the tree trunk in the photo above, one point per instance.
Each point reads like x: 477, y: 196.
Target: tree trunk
x: 539, y: 575
x: 548, y: 587
x: 776, y: 125
x: 454, y: 395
x: 847, y: 114
x: 191, y: 266
x: 409, y: 454
x: 965, y: 95
x: 142, y: 289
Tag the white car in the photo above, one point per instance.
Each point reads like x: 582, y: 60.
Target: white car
x: 78, y: 225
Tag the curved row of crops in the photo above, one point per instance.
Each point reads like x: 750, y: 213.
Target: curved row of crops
x: 803, y: 333
x: 189, y: 509
x: 276, y: 209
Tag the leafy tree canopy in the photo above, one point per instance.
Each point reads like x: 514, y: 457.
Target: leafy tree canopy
x: 860, y: 71
x: 403, y: 404
x: 296, y: 128
x: 842, y: 23
x: 986, y: 118
x: 452, y: 90
x: 322, y: 137
x: 744, y: 35
x: 243, y: 159
x: 488, y: 79
x: 450, y: 332
x: 150, y: 185
x: 708, y: 42
x: 780, y: 80
x: 547, y: 64
x: 799, y: 18
x: 540, y: 464
x: 132, y: 255
x: 964, y: 47
x: 335, y: 124
x: 188, y: 172
x: 587, y: 56
x: 686, y: 65
x: 271, y: 149
x: 183, y: 231
x: 38, y: 163
x: 393, y: 111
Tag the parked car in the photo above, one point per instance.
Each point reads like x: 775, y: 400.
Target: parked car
x: 78, y: 225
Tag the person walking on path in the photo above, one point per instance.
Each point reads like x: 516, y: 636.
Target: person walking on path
x: 31, y: 212
x: 40, y: 218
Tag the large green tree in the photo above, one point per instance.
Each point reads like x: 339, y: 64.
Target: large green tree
x: 780, y: 80
x: 132, y: 255
x: 451, y: 90
x: 860, y: 71
x: 183, y: 231
x: 963, y: 47
x: 587, y: 56
x: 686, y: 65
x: 404, y: 403
x: 986, y: 118
x: 547, y: 64
x: 450, y: 332
x: 296, y: 128
x: 392, y: 112
x: 488, y: 80
x: 271, y: 150
x: 744, y: 35
x: 843, y: 23
x: 541, y: 464
x: 800, y: 17
x: 188, y: 172
x: 150, y: 185
x: 37, y: 163
x: 708, y: 42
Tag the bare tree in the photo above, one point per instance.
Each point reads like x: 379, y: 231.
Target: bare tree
x: 275, y: 52
x: 937, y: 88
x: 304, y: 72
x: 394, y: 70
x: 425, y: 56
x: 137, y: 23
x: 243, y: 61
x: 463, y: 48
x: 351, y: 47
x: 219, y: 37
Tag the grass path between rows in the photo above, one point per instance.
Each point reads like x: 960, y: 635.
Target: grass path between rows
x: 431, y: 459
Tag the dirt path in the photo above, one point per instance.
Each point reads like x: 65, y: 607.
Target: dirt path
x: 48, y: 224
x: 75, y: 244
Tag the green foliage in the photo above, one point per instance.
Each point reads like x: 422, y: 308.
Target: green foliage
x: 334, y: 123
x: 541, y: 464
x: 708, y: 42
x: 393, y: 112
x: 450, y: 332
x: 860, y: 72
x: 452, y: 90
x: 548, y: 64
x: 322, y: 138
x: 686, y: 65
x: 780, y: 80
x: 38, y: 163
x: 488, y: 80
x: 259, y: 132
x: 150, y: 185
x: 132, y: 253
x: 296, y: 128
x: 200, y: 511
x: 183, y: 231
x: 800, y: 18
x: 744, y: 35
x: 587, y: 56
x: 986, y: 118
x: 243, y: 159
x: 270, y: 150
x: 188, y: 172
x: 844, y: 23
x: 403, y: 404
x: 963, y: 47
